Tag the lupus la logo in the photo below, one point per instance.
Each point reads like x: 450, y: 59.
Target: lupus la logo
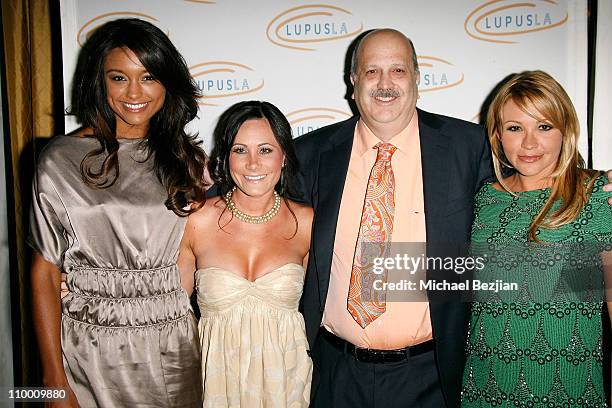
x: 500, y: 21
x: 303, y: 27
x: 437, y: 74
x: 306, y: 120
x: 91, y: 25
x: 224, y: 79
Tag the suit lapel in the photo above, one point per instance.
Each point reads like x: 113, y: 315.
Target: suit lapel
x: 434, y: 155
x: 333, y: 167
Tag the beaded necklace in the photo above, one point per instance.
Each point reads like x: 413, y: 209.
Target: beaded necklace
x: 252, y: 219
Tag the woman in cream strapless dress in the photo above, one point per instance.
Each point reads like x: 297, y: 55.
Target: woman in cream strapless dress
x: 254, y: 345
x: 249, y: 268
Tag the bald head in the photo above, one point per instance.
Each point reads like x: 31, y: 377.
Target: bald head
x: 385, y: 82
x: 388, y: 32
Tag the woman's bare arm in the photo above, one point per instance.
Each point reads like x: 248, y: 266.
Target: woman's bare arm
x: 46, y: 307
x: 46, y: 279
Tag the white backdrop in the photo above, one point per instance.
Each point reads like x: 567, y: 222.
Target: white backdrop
x: 292, y: 53
x: 602, y: 118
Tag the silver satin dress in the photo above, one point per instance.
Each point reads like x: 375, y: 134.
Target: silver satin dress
x: 129, y: 336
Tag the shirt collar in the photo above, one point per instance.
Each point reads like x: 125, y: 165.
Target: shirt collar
x: 365, y: 139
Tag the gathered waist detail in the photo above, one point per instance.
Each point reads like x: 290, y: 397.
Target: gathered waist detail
x: 190, y: 319
x: 249, y: 307
x: 124, y: 297
x: 123, y: 283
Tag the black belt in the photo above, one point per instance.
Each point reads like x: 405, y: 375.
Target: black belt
x: 367, y: 355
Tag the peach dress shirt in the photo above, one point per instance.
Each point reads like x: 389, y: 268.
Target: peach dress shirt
x: 403, y: 323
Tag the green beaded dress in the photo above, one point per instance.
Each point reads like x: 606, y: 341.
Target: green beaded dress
x: 540, y: 345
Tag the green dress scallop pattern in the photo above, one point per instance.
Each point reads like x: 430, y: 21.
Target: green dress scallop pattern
x: 541, y: 345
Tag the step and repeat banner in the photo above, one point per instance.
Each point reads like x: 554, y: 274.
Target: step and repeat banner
x: 293, y: 53
x: 602, y: 119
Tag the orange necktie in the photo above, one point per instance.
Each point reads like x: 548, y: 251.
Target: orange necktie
x: 365, y: 304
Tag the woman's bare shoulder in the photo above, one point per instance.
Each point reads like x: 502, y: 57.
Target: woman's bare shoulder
x: 304, y: 215
x: 211, y: 208
x: 301, y: 210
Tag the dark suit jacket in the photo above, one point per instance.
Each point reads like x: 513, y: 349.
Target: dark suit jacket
x: 456, y: 161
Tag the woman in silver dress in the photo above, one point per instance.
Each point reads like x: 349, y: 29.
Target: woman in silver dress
x: 109, y: 210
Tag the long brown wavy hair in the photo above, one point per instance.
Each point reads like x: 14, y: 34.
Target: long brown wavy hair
x: 178, y: 160
x: 538, y: 94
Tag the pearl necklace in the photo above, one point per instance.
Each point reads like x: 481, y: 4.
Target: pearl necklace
x: 252, y: 219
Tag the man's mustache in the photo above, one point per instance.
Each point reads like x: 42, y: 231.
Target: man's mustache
x: 384, y: 93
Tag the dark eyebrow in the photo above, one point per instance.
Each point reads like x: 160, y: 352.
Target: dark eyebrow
x: 144, y: 71
x: 259, y: 145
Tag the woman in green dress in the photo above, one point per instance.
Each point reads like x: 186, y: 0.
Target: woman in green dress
x: 545, y: 225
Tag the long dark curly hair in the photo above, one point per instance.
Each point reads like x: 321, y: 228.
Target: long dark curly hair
x: 178, y: 159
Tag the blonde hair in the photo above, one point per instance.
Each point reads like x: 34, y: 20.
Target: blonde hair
x: 538, y: 94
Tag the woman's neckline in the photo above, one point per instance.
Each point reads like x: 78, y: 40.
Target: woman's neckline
x: 537, y: 190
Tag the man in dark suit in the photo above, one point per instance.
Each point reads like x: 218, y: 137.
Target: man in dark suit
x: 406, y: 353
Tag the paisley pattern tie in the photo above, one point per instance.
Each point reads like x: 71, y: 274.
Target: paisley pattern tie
x: 365, y: 304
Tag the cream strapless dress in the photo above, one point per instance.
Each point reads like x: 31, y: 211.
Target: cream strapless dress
x: 253, y: 339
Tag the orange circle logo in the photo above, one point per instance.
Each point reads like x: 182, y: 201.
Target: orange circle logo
x: 437, y: 74
x: 224, y: 79
x: 504, y: 21
x: 91, y: 25
x: 306, y: 120
x: 305, y: 27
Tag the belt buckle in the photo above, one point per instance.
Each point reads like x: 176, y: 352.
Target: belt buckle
x: 365, y: 355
